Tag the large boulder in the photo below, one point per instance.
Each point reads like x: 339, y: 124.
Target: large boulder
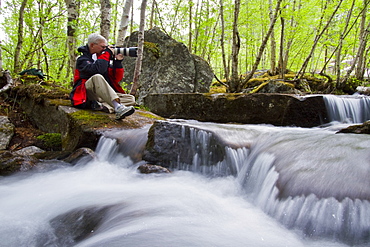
x: 168, y: 66
x: 258, y: 108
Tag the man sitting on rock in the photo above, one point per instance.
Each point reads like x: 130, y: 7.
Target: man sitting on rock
x: 97, y: 76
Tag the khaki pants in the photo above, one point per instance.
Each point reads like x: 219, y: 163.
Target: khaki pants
x: 97, y: 88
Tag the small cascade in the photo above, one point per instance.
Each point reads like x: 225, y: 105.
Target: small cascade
x: 250, y: 185
x: 348, y: 109
x: 317, y: 205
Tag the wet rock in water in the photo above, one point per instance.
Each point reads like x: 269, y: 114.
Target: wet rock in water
x: 357, y: 129
x: 149, y: 168
x: 11, y: 163
x: 6, y: 132
x: 76, y: 225
x: 82, y: 153
x: 363, y: 90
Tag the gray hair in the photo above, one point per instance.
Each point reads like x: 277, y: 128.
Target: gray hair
x: 95, y: 38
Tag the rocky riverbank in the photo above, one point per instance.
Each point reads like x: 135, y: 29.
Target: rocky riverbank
x: 38, y: 122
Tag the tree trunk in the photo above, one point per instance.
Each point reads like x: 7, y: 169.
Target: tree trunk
x: 196, y: 27
x: 190, y: 24
x: 262, y: 47
x: 139, y: 59
x: 348, y: 31
x: 105, y: 10
x: 235, y: 80
x: 317, y: 38
x: 124, y: 23
x: 282, y: 64
x: 224, y: 62
x: 360, y: 68
x: 293, y: 25
x: 152, y: 13
x: 73, y: 7
x: 340, y: 45
x: 18, y: 48
x: 176, y: 11
x: 1, y: 62
x: 362, y: 45
x: 272, y: 44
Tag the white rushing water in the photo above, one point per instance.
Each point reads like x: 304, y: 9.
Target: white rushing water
x: 178, y: 209
x: 289, y: 187
x: 348, y: 108
x: 182, y: 209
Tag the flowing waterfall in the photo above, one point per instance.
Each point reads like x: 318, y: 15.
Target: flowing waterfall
x: 274, y: 186
x: 314, y: 212
x: 348, y: 109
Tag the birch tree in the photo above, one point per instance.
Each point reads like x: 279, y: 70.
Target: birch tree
x: 272, y: 44
x: 105, y: 11
x: 235, y: 79
x: 262, y: 47
x: 124, y: 23
x: 137, y: 71
x: 191, y: 4
x: 302, y: 71
x: 222, y: 39
x: 18, y: 47
x: 362, y: 45
x: 1, y: 61
x: 73, y: 7
x: 340, y: 44
x: 360, y: 68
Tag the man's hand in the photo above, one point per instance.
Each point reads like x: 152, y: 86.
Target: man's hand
x: 119, y: 56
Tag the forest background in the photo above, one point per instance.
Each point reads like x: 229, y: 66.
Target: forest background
x: 323, y: 38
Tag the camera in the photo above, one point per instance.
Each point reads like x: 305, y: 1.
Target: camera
x: 126, y: 51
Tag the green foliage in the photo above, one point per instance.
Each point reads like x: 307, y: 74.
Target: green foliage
x: 45, y: 37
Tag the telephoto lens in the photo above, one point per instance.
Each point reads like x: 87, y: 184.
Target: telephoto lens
x: 126, y: 51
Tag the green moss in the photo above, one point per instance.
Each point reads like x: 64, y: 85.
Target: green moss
x: 149, y: 115
x: 257, y: 89
x: 92, y: 119
x: 60, y: 102
x: 291, y: 85
x: 153, y: 47
x: 51, y: 140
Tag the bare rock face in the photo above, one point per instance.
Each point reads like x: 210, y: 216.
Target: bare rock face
x: 6, y: 132
x: 275, y: 109
x: 168, y: 66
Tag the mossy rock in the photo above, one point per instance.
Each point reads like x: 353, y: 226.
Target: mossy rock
x: 52, y: 141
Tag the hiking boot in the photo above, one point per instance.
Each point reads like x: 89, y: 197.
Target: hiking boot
x: 123, y: 111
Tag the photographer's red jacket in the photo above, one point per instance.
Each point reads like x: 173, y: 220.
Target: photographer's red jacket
x: 87, y: 67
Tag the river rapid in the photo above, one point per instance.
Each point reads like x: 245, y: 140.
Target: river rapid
x: 292, y: 187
